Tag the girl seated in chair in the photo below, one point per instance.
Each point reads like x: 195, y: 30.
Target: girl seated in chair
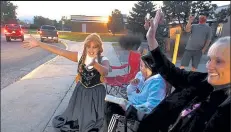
x: 144, y: 93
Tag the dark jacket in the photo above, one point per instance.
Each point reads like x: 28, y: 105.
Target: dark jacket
x: 190, y: 87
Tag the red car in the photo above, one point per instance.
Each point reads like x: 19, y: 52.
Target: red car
x: 13, y: 31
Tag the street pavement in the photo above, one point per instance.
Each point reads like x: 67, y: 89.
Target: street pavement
x: 16, y: 61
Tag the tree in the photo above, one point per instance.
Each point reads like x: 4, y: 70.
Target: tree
x: 177, y: 10
x: 22, y: 22
x: 8, y: 12
x: 180, y: 10
x: 55, y: 23
x: 39, y: 21
x: 67, y: 22
x: 109, y: 23
x: 115, y: 22
x: 222, y: 15
x: 204, y: 6
x: 137, y: 15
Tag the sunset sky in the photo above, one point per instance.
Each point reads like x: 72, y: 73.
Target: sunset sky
x: 56, y: 9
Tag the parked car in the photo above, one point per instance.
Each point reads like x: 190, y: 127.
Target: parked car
x: 13, y: 31
x: 48, y: 32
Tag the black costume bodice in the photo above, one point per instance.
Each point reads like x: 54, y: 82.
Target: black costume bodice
x: 89, y: 77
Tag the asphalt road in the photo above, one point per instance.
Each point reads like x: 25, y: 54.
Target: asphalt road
x: 16, y: 61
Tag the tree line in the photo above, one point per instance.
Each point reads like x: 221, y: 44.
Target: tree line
x: 40, y: 20
x: 175, y: 11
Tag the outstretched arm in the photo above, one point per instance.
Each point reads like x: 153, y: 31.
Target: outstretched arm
x: 175, y: 76
x: 32, y: 43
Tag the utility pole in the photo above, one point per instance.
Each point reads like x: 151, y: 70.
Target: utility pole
x: 63, y: 24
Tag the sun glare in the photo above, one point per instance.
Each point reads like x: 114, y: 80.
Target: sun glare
x: 104, y: 19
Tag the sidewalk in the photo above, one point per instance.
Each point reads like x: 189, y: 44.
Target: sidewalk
x: 30, y: 104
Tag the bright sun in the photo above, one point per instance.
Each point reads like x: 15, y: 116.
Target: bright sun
x: 104, y: 19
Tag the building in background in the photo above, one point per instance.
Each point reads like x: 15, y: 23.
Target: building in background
x: 89, y: 24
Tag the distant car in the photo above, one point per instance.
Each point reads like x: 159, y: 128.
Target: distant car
x: 48, y: 31
x: 13, y: 31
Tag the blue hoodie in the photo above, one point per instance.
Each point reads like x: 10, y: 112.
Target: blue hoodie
x: 149, y: 94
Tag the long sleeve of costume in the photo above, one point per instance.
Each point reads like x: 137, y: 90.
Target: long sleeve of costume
x: 177, y: 77
x: 156, y: 93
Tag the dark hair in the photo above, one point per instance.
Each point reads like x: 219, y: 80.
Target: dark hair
x: 149, y: 62
x: 204, y: 13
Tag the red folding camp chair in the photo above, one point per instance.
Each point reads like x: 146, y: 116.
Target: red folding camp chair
x: 121, y: 81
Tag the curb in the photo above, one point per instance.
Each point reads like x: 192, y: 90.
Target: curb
x: 65, y: 44
x: 73, y: 84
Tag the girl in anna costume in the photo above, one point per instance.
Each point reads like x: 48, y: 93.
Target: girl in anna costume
x: 85, y: 111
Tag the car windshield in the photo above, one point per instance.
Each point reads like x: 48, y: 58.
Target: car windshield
x: 13, y: 26
x: 48, y: 27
